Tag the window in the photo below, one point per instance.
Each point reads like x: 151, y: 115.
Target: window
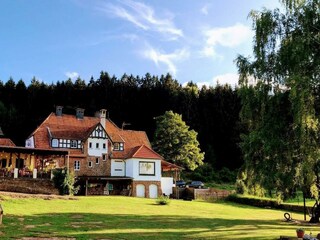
x: 76, y: 165
x: 90, y: 164
x: 97, y: 160
x: 121, y: 147
x: 104, y: 146
x: 104, y: 157
x: 90, y: 144
x: 97, y: 145
x: 147, y: 168
x: 74, y: 144
x: 116, y: 146
x: 55, y: 143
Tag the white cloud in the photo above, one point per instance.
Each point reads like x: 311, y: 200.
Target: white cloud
x: 205, y: 9
x: 131, y: 37
x: 72, y: 75
x: 169, y: 59
x: 143, y: 16
x: 228, y: 78
x: 227, y: 37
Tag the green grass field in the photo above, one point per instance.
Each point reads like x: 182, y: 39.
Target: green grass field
x: 134, y: 218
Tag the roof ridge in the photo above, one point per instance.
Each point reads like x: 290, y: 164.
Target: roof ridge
x: 139, y: 148
x: 37, y: 129
x: 150, y: 149
x: 115, y: 125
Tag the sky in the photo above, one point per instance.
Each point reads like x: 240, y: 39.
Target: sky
x: 193, y: 40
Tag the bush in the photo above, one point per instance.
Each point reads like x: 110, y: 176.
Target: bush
x: 64, y: 181
x: 163, y: 200
x: 227, y: 176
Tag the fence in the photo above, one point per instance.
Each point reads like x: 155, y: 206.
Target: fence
x: 208, y: 194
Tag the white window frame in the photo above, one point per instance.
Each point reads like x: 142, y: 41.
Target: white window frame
x: 104, y: 146
x: 90, y: 164
x: 121, y: 146
x: 73, y: 144
x: 90, y: 145
x: 116, y: 146
x: 97, y: 145
x: 55, y: 143
x: 76, y: 165
x: 97, y: 161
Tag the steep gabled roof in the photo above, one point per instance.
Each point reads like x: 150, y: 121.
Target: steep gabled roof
x: 65, y: 127
x: 69, y: 127
x: 144, y: 152
x: 130, y: 138
x: 6, y: 142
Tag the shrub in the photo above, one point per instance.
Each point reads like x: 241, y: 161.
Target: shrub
x: 163, y: 200
x: 64, y: 181
x: 227, y: 176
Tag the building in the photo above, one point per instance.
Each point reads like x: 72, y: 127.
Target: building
x: 105, y: 159
x: 18, y: 161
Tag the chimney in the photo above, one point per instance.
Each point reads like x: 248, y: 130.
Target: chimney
x: 103, y: 113
x: 79, y: 113
x: 59, y: 110
x: 1, y: 133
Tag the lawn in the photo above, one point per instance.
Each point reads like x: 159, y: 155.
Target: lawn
x: 134, y: 218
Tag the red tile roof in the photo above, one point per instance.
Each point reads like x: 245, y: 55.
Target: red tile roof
x: 6, y: 142
x: 69, y: 127
x: 136, y: 143
x: 167, y: 166
x: 144, y: 152
x: 65, y: 126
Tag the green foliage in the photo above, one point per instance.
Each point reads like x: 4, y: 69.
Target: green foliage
x: 253, y: 201
x: 213, y: 112
x: 206, y: 173
x: 163, y: 200
x: 64, y: 181
x: 176, y: 143
x: 281, y: 147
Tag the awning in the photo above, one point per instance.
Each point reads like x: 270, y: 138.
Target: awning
x: 167, y: 166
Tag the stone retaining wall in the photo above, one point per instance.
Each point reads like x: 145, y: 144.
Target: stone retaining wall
x: 30, y: 185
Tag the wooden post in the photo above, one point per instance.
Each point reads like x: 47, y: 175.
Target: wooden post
x: 304, y: 206
x: 87, y: 187
x: 1, y: 214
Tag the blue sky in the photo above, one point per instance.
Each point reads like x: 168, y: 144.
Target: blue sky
x: 194, y: 40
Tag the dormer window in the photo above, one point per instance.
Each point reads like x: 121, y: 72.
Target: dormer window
x: 118, y: 146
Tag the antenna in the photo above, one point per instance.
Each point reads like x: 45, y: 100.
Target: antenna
x: 125, y: 124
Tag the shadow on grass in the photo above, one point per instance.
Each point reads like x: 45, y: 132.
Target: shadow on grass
x: 111, y: 226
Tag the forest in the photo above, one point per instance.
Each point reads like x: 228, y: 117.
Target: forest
x: 133, y: 102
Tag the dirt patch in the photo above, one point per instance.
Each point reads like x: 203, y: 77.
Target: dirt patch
x: 30, y: 226
x: 41, y: 196
x: 54, y: 238
x: 77, y: 216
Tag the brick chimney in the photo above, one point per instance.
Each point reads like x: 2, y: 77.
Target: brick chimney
x: 59, y: 110
x: 79, y: 113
